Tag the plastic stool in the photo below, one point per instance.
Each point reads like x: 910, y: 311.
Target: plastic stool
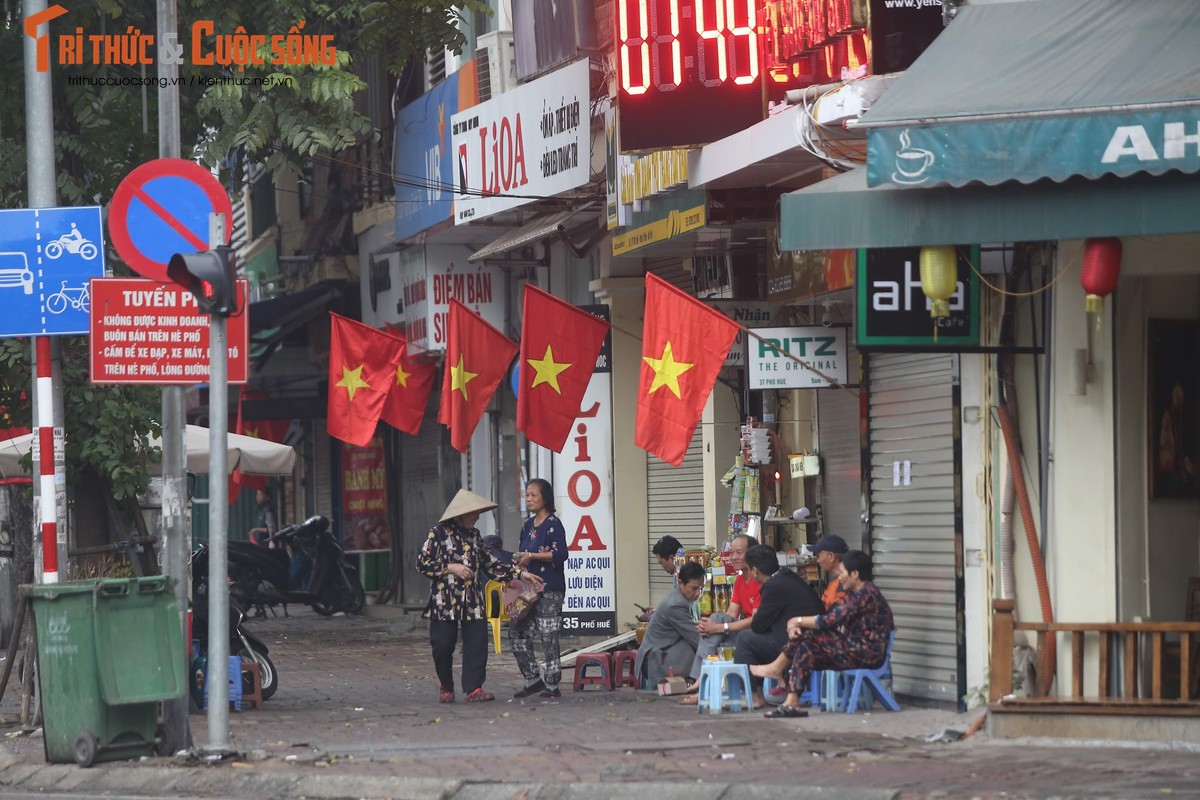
x: 812, y: 695
x: 724, y: 684
x: 623, y: 669
x: 253, y: 697
x: 200, y: 675
x: 601, y: 660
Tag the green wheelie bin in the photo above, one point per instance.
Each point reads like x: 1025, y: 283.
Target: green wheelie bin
x: 109, y: 650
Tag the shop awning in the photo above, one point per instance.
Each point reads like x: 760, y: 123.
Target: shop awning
x: 843, y: 212
x: 538, y: 229
x: 1045, y: 89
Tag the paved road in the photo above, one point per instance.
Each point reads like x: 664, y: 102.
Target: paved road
x: 357, y: 715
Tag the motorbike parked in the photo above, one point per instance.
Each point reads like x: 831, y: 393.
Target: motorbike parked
x: 261, y: 577
x: 242, y: 643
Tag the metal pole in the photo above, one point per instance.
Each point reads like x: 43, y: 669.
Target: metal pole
x: 39, y: 157
x: 176, y: 544
x: 218, y: 533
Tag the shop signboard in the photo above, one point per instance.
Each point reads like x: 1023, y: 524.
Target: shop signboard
x: 811, y: 357
x: 892, y: 311
x: 528, y: 143
x: 747, y: 315
x: 433, y: 275
x: 660, y: 218
x: 583, y: 486
x: 364, y: 497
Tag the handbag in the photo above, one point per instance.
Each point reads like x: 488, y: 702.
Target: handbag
x: 519, y: 599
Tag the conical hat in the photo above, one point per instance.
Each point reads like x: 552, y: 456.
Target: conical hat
x: 464, y: 503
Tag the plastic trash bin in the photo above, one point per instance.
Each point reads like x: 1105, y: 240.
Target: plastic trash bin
x: 108, y: 651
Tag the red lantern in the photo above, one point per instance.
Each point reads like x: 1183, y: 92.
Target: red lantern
x: 1101, y: 268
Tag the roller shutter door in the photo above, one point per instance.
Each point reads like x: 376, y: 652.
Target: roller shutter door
x: 421, y: 503
x: 914, y: 419
x: 839, y: 431
x: 675, y: 503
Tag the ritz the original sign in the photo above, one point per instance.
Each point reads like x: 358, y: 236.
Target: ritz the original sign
x: 796, y: 358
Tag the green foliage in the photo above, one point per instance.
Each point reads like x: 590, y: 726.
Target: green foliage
x: 107, y: 426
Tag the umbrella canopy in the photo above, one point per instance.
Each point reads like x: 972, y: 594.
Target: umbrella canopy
x: 252, y: 456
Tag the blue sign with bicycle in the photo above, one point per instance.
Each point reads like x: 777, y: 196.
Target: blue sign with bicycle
x: 48, y: 257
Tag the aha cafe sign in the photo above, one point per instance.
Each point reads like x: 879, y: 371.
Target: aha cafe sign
x: 796, y: 358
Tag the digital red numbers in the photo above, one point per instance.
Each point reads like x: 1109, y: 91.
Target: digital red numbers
x: 665, y: 44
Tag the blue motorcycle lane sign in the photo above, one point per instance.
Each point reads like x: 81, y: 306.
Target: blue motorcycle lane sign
x: 48, y: 257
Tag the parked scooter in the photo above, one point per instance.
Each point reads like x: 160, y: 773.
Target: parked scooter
x: 316, y: 574
x: 242, y: 643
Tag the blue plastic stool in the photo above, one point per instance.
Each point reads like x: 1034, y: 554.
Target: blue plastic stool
x: 812, y: 695
x: 724, y: 684
x: 851, y: 681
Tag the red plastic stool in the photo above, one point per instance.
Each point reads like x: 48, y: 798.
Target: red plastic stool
x: 601, y: 660
x: 623, y: 668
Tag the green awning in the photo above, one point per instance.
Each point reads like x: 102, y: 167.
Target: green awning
x: 1045, y: 89
x: 843, y: 212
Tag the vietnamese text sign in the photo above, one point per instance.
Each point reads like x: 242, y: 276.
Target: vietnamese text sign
x: 583, y: 484
x: 429, y: 281
x: 530, y: 142
x: 364, y: 497
x: 893, y: 311
x: 773, y: 357
x: 143, y: 331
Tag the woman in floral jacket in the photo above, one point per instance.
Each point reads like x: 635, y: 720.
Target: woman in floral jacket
x: 455, y: 559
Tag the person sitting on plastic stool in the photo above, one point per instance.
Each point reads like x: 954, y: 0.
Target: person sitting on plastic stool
x: 669, y: 645
x: 852, y: 635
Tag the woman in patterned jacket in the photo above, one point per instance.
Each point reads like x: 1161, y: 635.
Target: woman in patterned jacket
x: 852, y: 635
x: 456, y: 560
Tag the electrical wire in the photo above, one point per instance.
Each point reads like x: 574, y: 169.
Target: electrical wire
x: 1031, y: 293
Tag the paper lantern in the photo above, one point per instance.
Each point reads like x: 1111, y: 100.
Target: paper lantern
x: 1101, y: 269
x: 939, y: 277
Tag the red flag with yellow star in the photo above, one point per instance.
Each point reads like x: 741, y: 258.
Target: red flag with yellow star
x: 272, y: 430
x: 362, y: 370
x: 477, y: 356
x: 559, y: 346
x: 405, y: 405
x: 684, y: 345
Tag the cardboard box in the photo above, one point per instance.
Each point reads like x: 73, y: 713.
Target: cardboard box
x: 672, y: 685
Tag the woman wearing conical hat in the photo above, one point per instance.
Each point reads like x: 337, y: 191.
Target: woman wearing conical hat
x: 456, y: 560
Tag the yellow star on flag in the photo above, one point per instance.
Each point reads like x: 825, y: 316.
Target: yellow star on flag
x: 402, y: 376
x: 352, y: 380
x: 252, y: 432
x: 459, y: 377
x: 666, y: 371
x: 548, y: 370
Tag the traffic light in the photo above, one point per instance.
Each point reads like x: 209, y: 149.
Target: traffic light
x: 211, y: 276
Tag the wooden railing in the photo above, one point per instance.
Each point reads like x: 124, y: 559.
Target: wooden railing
x: 1120, y: 647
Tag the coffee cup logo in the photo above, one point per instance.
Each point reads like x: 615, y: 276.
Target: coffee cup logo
x: 911, y: 162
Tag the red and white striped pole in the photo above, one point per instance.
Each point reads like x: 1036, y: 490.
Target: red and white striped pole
x: 45, y: 433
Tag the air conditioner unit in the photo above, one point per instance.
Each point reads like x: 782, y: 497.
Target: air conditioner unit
x: 495, y: 64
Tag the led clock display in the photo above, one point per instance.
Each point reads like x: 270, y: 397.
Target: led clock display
x: 689, y: 71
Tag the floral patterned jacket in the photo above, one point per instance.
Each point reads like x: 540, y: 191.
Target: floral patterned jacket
x: 450, y: 598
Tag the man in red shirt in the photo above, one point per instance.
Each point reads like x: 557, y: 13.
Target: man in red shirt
x: 720, y: 629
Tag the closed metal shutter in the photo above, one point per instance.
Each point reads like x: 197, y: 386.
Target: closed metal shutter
x: 675, y: 271
x: 675, y: 502
x: 421, y: 503
x: 322, y: 470
x: 914, y: 421
x: 841, y: 464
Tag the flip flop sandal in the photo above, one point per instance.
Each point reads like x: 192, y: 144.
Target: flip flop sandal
x: 480, y: 696
x: 446, y: 696
x: 786, y: 712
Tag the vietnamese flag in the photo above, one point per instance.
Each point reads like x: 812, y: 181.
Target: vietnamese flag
x: 684, y: 345
x: 362, y: 369
x: 477, y: 356
x: 405, y: 405
x: 559, y: 346
x: 272, y: 430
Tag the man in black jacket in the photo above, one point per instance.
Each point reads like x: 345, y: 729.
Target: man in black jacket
x: 784, y: 595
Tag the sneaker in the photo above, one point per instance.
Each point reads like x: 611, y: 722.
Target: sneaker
x: 529, y: 691
x: 446, y: 696
x: 480, y: 696
x: 551, y: 693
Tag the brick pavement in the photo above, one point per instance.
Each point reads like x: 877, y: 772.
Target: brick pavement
x: 358, y: 702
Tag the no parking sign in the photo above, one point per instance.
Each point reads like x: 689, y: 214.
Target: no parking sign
x: 162, y: 208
